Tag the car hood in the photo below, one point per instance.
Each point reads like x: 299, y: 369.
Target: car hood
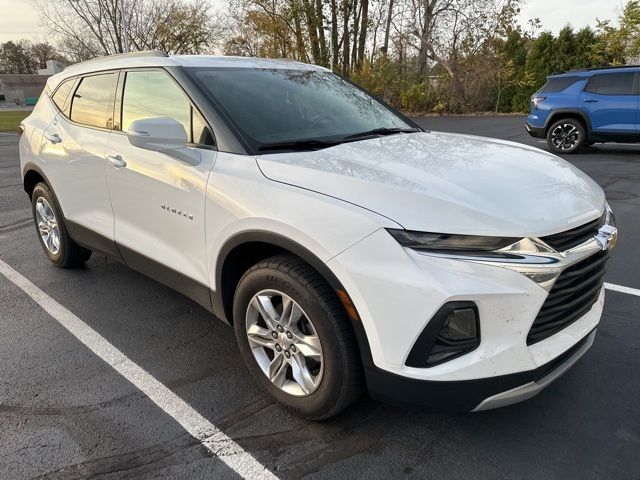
x: 448, y: 183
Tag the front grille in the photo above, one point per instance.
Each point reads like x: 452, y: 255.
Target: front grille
x: 574, y: 293
x: 566, y: 240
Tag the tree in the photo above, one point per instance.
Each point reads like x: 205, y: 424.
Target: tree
x: 16, y: 57
x: 565, y: 51
x: 511, y: 70
x: 447, y: 31
x: 90, y: 28
x: 617, y: 45
x: 420, y: 55
x: 44, y: 51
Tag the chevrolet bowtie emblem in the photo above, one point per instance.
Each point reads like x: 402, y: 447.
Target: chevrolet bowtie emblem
x: 607, y: 237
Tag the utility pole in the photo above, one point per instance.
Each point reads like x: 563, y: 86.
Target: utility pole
x: 125, y: 29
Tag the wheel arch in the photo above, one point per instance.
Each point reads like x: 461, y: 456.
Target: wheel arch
x: 31, y: 176
x: 246, y: 249
x: 568, y: 113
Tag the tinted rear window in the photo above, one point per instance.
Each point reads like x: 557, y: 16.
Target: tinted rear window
x: 612, y: 84
x: 93, y: 101
x: 560, y: 84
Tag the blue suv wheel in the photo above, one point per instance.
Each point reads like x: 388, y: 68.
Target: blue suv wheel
x: 567, y: 135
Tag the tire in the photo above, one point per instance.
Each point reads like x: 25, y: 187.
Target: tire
x: 567, y: 135
x: 45, y: 209
x: 338, y: 376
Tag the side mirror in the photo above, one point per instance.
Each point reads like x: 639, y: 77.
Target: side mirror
x: 164, y: 135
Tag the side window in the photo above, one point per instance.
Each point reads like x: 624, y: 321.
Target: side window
x: 556, y: 85
x: 592, y: 85
x: 60, y: 98
x: 93, y: 100
x: 149, y: 94
x: 615, y: 83
x: 153, y: 93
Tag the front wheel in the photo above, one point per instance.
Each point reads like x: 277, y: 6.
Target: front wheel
x: 295, y: 337
x: 566, y: 136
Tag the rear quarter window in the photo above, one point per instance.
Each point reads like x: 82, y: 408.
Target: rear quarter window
x: 61, y: 95
x: 93, y: 100
x: 555, y: 85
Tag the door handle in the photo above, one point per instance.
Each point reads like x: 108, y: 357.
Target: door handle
x: 53, y: 137
x: 116, y: 161
x: 590, y: 100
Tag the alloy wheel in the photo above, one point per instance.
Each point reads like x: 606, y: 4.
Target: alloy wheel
x: 284, y: 343
x: 565, y: 136
x: 47, y: 226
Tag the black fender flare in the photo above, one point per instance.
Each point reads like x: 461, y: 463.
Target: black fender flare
x: 32, y: 167
x: 305, y: 254
x: 555, y: 114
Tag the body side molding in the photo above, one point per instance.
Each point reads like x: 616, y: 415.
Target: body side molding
x: 187, y: 286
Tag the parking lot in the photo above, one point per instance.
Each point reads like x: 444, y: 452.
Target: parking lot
x: 69, y: 411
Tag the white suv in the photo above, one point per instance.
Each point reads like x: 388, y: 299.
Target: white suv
x: 348, y: 247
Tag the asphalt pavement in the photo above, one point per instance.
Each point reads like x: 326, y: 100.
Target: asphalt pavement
x: 67, y: 412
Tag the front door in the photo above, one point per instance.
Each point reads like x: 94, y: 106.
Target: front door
x: 159, y: 200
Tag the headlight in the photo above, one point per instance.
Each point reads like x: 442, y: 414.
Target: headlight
x: 610, y: 218
x: 449, y: 242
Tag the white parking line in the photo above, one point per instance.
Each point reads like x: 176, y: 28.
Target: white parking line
x: 620, y: 288
x: 8, y: 134
x: 219, y: 444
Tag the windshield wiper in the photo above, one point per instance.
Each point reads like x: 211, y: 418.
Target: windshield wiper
x: 381, y: 131
x: 316, y: 144
x: 303, y: 144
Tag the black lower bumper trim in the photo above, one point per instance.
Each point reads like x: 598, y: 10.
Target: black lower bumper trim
x: 537, y: 132
x: 455, y: 396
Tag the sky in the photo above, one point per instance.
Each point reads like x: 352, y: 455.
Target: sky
x: 19, y: 18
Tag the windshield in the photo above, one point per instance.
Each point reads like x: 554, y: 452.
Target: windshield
x: 277, y: 106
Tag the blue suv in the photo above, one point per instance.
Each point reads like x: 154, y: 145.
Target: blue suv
x: 584, y: 107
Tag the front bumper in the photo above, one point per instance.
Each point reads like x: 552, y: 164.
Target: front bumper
x: 396, y: 292
x: 472, y: 395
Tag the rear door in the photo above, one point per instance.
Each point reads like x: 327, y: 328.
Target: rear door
x: 74, y: 147
x: 159, y: 200
x: 611, y: 102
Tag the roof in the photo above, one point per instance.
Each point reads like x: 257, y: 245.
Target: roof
x: 159, y: 59
x: 587, y: 72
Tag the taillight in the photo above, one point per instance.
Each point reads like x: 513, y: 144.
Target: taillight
x: 20, y: 130
x: 537, y: 101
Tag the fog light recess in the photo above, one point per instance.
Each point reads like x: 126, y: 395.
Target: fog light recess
x: 453, y: 331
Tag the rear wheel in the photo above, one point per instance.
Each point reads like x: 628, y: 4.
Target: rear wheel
x: 566, y: 136
x: 295, y: 338
x: 52, y: 232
